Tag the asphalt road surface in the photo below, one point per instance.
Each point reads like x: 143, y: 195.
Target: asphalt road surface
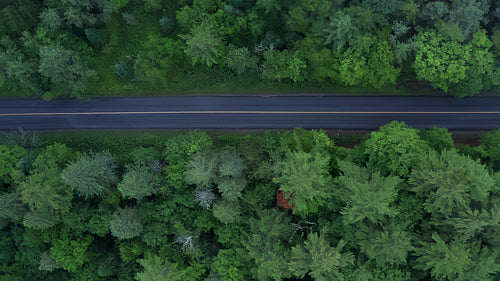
x: 251, y: 112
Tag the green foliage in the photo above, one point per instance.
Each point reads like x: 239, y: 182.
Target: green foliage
x: 40, y: 218
x: 157, y: 268
x: 71, y: 252
x: 269, y: 5
x: 11, y: 206
x: 159, y: 60
x: 47, y: 262
x: 124, y: 69
x: 390, y: 245
x: 450, y: 182
x: 203, y: 44
x: 167, y: 25
x: 304, y: 178
x: 321, y: 64
x: 201, y: 169
x: 466, y: 65
x: 468, y: 14
x: 368, y: 194
x: 65, y: 71
x: 9, y: 157
x: 266, y: 245
x: 456, y: 259
x: 227, y: 211
x: 395, y: 148
x: 98, y: 38
x: 283, y: 64
x: 126, y: 223
x: 230, y: 265
x: 90, y: 175
x: 139, y: 182
x: 438, y: 139
x: 240, y: 60
x: 340, y: 31
x: 319, y: 260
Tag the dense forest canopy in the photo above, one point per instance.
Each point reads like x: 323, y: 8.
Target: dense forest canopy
x: 82, y: 47
x: 403, y: 204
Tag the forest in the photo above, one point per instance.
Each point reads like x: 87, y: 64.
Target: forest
x: 402, y: 204
x: 84, y: 48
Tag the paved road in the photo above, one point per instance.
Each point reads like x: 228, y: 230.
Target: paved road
x: 251, y: 112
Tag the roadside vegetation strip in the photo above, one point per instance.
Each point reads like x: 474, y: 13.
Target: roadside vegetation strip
x: 245, y: 112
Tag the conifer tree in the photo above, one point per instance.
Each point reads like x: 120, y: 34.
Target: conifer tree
x: 90, y: 175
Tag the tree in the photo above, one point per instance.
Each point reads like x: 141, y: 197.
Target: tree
x: 201, y: 169
x: 266, y: 244
x: 230, y: 264
x: 480, y: 73
x: 204, y: 196
x: 469, y: 223
x: 40, y: 218
x: 65, y: 71
x: 9, y: 157
x: 438, y: 139
x: 167, y: 25
x: 321, y: 63
x: 98, y: 38
x: 340, y: 31
x: 231, y: 188
x: 139, y: 182
x: 50, y: 19
x: 70, y: 251
x: 11, y: 206
x: 124, y: 69
x: 269, y: 5
x: 380, y: 63
x: 47, y: 262
x: 304, y: 178
x: 178, y: 151
x: 226, y: 211
x: 395, y: 148
x: 439, y: 61
x: 157, y: 268
x: 240, y: 60
x: 126, y: 223
x: 230, y: 164
x: 203, y: 45
x: 353, y: 68
x: 368, y: 194
x: 319, y: 260
x: 469, y: 14
x: 43, y: 189
x: 387, y: 246
x: 90, y: 175
x: 83, y: 13
x: 283, y: 64
x: 489, y: 147
x: 450, y: 182
x: 456, y: 260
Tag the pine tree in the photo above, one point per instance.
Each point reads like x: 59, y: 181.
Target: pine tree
x: 201, y: 169
x: 90, y: 175
x: 126, y: 223
x: 320, y: 260
x: 449, y: 182
x: 368, y: 194
x: 304, y: 178
x: 157, y: 268
x: 139, y: 182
